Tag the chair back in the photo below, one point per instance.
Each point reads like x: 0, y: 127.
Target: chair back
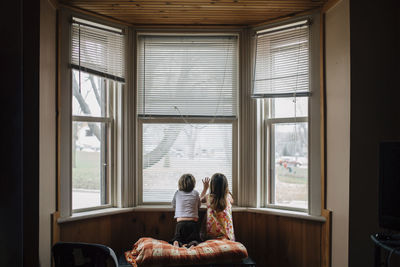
x: 71, y: 254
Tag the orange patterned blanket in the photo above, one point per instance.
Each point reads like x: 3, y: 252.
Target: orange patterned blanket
x: 153, y: 252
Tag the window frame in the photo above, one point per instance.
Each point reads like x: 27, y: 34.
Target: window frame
x: 66, y: 119
x: 314, y: 119
x: 198, y: 119
x: 176, y: 120
x: 269, y: 175
x: 109, y: 120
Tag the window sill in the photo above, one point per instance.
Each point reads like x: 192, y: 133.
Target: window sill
x: 93, y: 214
x: 165, y: 208
x: 288, y: 213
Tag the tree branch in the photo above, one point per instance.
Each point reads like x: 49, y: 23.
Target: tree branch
x: 85, y: 108
x: 162, y: 148
x: 95, y: 90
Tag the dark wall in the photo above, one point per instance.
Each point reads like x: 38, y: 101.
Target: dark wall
x: 375, y: 113
x: 19, y: 194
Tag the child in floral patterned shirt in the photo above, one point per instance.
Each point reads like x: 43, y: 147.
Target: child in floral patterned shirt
x: 219, y: 207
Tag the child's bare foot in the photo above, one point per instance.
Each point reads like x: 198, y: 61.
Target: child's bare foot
x: 176, y: 244
x: 192, y: 244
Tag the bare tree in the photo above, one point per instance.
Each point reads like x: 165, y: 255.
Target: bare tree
x: 85, y: 107
x: 154, y: 156
x: 150, y: 158
x: 191, y: 133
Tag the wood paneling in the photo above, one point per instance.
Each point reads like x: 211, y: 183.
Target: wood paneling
x: 326, y: 243
x: 275, y: 241
x: 120, y: 231
x: 271, y: 240
x: 195, y: 12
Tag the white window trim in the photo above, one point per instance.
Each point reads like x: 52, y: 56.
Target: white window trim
x: 154, y: 119
x: 314, y: 122
x: 268, y: 154
x: 233, y: 122
x: 66, y: 119
x: 169, y: 208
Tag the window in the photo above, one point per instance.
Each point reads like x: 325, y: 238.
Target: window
x: 287, y: 130
x: 283, y: 80
x: 92, y: 138
x: 96, y: 75
x: 187, y: 110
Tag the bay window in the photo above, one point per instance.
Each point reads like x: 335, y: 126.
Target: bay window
x: 125, y: 140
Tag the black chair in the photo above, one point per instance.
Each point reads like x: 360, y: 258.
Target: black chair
x: 68, y: 254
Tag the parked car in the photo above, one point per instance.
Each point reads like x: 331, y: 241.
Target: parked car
x: 289, y: 162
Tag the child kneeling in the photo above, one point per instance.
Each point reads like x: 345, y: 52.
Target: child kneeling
x: 219, y: 207
x: 186, y: 203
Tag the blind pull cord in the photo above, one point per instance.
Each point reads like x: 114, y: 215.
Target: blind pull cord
x: 79, y: 56
x: 219, y: 97
x: 295, y: 99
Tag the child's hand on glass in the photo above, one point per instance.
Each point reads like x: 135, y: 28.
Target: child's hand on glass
x: 206, y: 183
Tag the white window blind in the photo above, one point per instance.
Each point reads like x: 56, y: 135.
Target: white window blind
x: 98, y: 49
x: 187, y: 75
x: 282, y: 63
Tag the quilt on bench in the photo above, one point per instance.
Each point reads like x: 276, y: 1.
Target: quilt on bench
x: 152, y: 252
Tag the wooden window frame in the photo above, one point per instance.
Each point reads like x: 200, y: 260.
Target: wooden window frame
x: 314, y: 119
x: 66, y: 118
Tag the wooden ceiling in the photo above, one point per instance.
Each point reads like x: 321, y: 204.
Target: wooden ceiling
x: 195, y: 12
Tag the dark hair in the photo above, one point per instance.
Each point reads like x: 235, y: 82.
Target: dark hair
x: 218, y: 191
x: 186, y: 182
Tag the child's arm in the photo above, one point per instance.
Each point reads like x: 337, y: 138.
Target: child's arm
x: 206, y: 185
x: 174, y: 200
x: 231, y: 198
x: 198, y: 200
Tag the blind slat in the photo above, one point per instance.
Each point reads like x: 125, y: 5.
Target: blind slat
x: 187, y: 75
x: 98, y: 50
x: 282, y: 62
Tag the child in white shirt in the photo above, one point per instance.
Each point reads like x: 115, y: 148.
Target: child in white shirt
x: 186, y: 203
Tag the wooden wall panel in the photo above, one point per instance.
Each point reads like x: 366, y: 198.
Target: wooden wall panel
x: 279, y: 241
x: 119, y: 231
x: 271, y: 240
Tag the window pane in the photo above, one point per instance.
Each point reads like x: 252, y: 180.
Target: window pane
x: 170, y: 150
x: 289, y: 107
x: 88, y: 165
x: 290, y: 175
x: 91, y: 99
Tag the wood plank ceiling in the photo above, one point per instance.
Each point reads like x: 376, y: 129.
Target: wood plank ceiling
x: 195, y: 12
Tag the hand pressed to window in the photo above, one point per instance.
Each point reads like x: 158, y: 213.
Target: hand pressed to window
x: 206, y: 185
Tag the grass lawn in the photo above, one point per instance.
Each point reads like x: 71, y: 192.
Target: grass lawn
x: 86, y: 170
x: 296, y: 176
